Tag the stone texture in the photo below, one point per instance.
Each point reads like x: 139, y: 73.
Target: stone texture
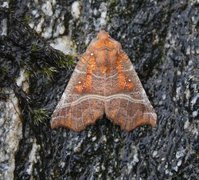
x: 10, y: 134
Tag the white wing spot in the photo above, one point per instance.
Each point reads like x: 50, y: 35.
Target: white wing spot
x: 92, y: 54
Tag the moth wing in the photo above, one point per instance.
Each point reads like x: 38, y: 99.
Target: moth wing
x: 128, y: 104
x: 76, y: 108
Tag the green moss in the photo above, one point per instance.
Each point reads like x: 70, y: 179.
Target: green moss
x: 27, y: 19
x: 49, y: 72
x: 113, y: 3
x: 66, y: 61
x: 39, y: 116
x: 3, y: 70
x: 71, y: 60
x: 34, y: 48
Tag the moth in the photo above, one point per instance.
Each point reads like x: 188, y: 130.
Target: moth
x: 104, y: 82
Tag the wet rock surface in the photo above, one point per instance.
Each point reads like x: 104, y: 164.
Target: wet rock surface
x: 161, y: 39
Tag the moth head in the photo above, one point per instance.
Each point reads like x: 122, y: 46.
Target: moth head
x: 103, y: 35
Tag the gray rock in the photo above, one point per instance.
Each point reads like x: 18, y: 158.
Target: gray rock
x: 10, y: 134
